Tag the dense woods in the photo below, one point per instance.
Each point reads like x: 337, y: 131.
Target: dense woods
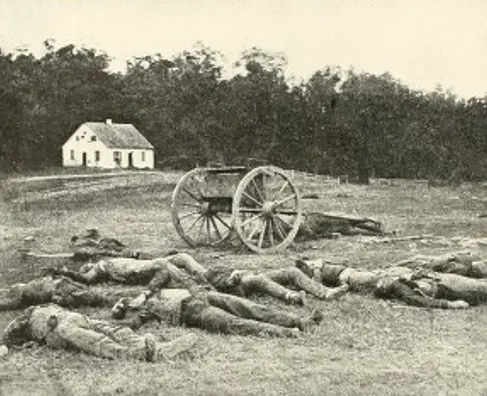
x: 337, y: 122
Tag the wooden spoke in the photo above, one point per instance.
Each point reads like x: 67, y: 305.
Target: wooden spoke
x: 191, y: 205
x: 248, y: 221
x: 281, y: 190
x: 282, y: 220
x: 279, y: 230
x: 192, y: 224
x: 264, y: 189
x: 192, y: 195
x: 252, y: 233
x: 217, y: 231
x: 283, y: 201
x: 252, y: 199
x: 258, y: 190
x: 208, y: 229
x: 222, y: 221
x: 262, y: 234
x: 202, y: 225
x: 188, y: 215
x: 271, y: 232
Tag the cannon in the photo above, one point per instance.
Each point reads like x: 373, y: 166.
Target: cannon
x: 260, y: 206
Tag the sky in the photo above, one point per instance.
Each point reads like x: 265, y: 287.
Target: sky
x: 423, y: 43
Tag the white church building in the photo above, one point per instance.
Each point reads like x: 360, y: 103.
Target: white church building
x: 108, y: 145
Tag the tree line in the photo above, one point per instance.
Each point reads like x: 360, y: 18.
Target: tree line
x: 194, y: 111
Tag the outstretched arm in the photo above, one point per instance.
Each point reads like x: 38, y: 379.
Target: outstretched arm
x: 188, y: 263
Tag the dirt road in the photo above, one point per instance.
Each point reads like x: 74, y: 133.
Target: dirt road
x: 24, y: 179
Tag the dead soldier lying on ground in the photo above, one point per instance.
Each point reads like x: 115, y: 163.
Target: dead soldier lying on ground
x: 272, y: 282
x: 163, y: 272
x: 60, y: 290
x: 128, y: 270
x: 212, y: 311
x: 357, y: 279
x: 317, y: 225
x: 89, y: 245
x: 460, y: 263
x: 62, y: 329
x: 418, y: 288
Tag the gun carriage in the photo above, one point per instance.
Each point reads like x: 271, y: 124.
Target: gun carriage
x: 260, y: 205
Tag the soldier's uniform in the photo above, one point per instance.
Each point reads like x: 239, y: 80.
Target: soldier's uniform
x: 62, y: 329
x: 213, y: 311
x: 90, y: 244
x: 461, y: 263
x: 182, y: 270
x: 317, y: 225
x: 245, y: 283
x: 62, y: 291
x: 337, y: 274
x: 133, y: 271
x: 416, y: 287
x: 422, y: 291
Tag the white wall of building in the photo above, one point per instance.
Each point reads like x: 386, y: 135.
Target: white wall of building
x: 140, y: 158
x: 85, y: 144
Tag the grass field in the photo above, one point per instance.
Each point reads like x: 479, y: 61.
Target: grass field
x: 364, y: 347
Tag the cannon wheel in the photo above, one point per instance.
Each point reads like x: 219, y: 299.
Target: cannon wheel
x: 193, y: 217
x: 266, y: 210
